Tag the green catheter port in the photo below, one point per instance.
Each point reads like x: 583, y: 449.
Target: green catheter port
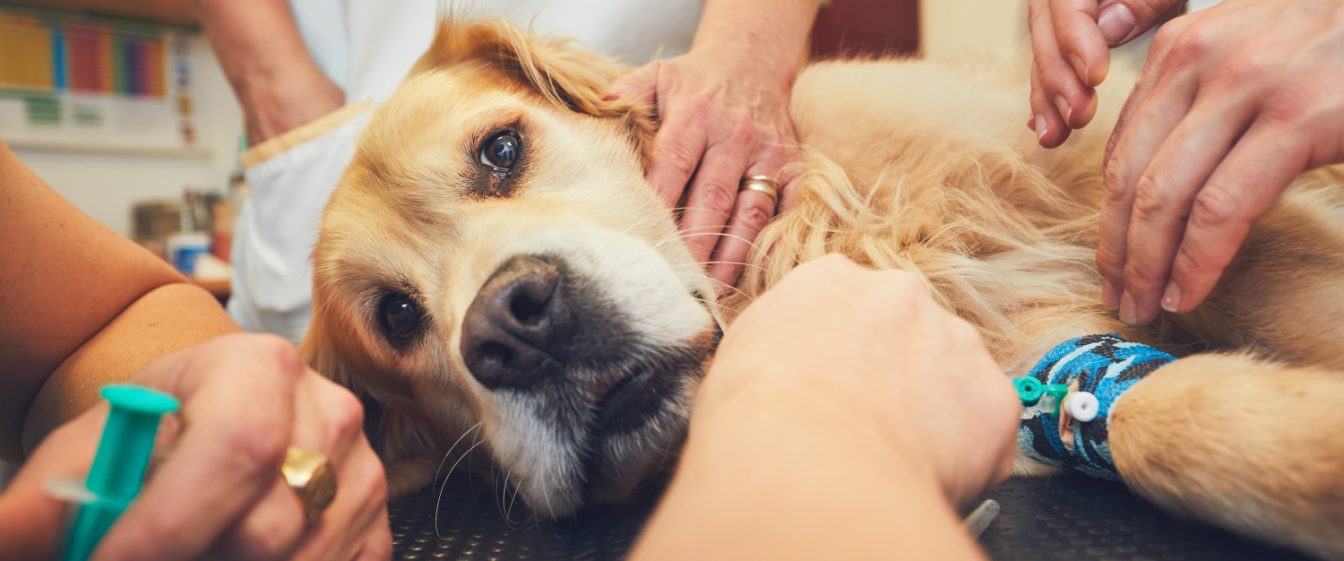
x: 1031, y: 391
x: 118, y: 469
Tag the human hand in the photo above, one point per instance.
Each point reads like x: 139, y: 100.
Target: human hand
x: 883, y: 355
x: 724, y: 116
x: 1070, y: 43
x: 218, y: 493
x: 1233, y: 103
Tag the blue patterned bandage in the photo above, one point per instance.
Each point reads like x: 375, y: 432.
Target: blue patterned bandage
x: 1105, y: 366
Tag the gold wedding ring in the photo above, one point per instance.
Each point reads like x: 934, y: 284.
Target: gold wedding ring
x: 312, y: 478
x: 761, y: 184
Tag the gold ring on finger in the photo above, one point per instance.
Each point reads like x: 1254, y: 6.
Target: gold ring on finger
x: 761, y: 184
x: 312, y: 477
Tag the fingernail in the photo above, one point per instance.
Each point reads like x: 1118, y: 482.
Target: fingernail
x: 1171, y: 299
x: 1109, y: 297
x: 1031, y: 122
x: 1079, y: 66
x: 1117, y: 22
x: 1040, y: 128
x: 1064, y: 109
x: 610, y: 97
x: 1129, y: 313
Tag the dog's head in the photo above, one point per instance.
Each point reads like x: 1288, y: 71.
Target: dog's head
x: 493, y: 255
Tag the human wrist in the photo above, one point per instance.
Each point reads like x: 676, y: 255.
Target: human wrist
x: 276, y: 102
x: 740, y: 30
x: 736, y: 406
x: 810, y: 468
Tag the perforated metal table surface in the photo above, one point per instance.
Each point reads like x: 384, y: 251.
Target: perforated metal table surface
x: 1056, y: 518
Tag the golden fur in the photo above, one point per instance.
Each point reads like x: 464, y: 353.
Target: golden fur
x: 906, y: 165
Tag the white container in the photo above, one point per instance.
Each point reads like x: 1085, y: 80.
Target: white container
x: 183, y: 248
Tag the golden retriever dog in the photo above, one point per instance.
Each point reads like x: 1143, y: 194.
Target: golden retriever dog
x: 495, y: 276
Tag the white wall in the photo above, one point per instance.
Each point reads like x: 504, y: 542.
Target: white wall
x: 951, y: 29
x: 958, y: 28
x: 107, y: 185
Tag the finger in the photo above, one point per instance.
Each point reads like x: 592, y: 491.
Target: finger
x: 330, y: 418
x: 330, y: 422
x: 237, y: 395
x: 1258, y: 170
x: 639, y: 86
x: 269, y: 530
x: 1154, y: 68
x: 751, y: 212
x: 378, y: 544
x: 783, y: 161
x: 1074, y: 101
x: 1167, y: 189
x: 33, y: 518
x: 358, y: 510
x: 677, y: 148
x: 1120, y: 21
x: 1158, y: 114
x: 1045, y: 121
x: 1080, y: 39
x: 710, y: 202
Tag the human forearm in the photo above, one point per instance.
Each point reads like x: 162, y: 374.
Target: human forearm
x: 81, y: 305
x: 259, y: 47
x: 64, y: 276
x: 169, y: 318
x: 797, y: 479
x: 752, y: 28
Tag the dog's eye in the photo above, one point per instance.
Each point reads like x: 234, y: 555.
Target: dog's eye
x: 401, y: 317
x: 502, y: 151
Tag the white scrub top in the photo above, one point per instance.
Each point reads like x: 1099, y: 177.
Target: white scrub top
x: 367, y: 47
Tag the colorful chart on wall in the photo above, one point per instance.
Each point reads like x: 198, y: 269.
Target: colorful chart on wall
x: 76, y: 82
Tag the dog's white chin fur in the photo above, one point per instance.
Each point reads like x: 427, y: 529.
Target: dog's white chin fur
x: 558, y: 469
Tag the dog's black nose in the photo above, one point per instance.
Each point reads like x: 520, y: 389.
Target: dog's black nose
x: 512, y: 329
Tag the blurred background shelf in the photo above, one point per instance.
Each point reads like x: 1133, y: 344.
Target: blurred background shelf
x: 176, y: 12
x: 111, y: 150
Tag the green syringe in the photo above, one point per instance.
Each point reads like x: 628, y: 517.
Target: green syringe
x: 118, y: 470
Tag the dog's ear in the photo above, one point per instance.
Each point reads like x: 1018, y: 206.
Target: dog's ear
x: 392, y: 435
x: 318, y: 350
x: 569, y: 77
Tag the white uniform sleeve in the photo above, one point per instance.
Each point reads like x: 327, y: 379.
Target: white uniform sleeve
x: 277, y: 227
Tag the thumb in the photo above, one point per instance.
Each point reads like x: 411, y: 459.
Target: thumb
x: 1123, y: 20
x: 636, y: 87
x: 30, y: 515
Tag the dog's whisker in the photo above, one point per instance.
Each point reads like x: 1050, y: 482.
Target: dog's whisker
x: 665, y: 241
x: 450, y: 451
x: 504, y: 497
x: 742, y: 263
x: 644, y: 220
x: 546, y: 497
x: 730, y: 287
x: 508, y: 512
x: 438, y: 501
x: 755, y: 248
